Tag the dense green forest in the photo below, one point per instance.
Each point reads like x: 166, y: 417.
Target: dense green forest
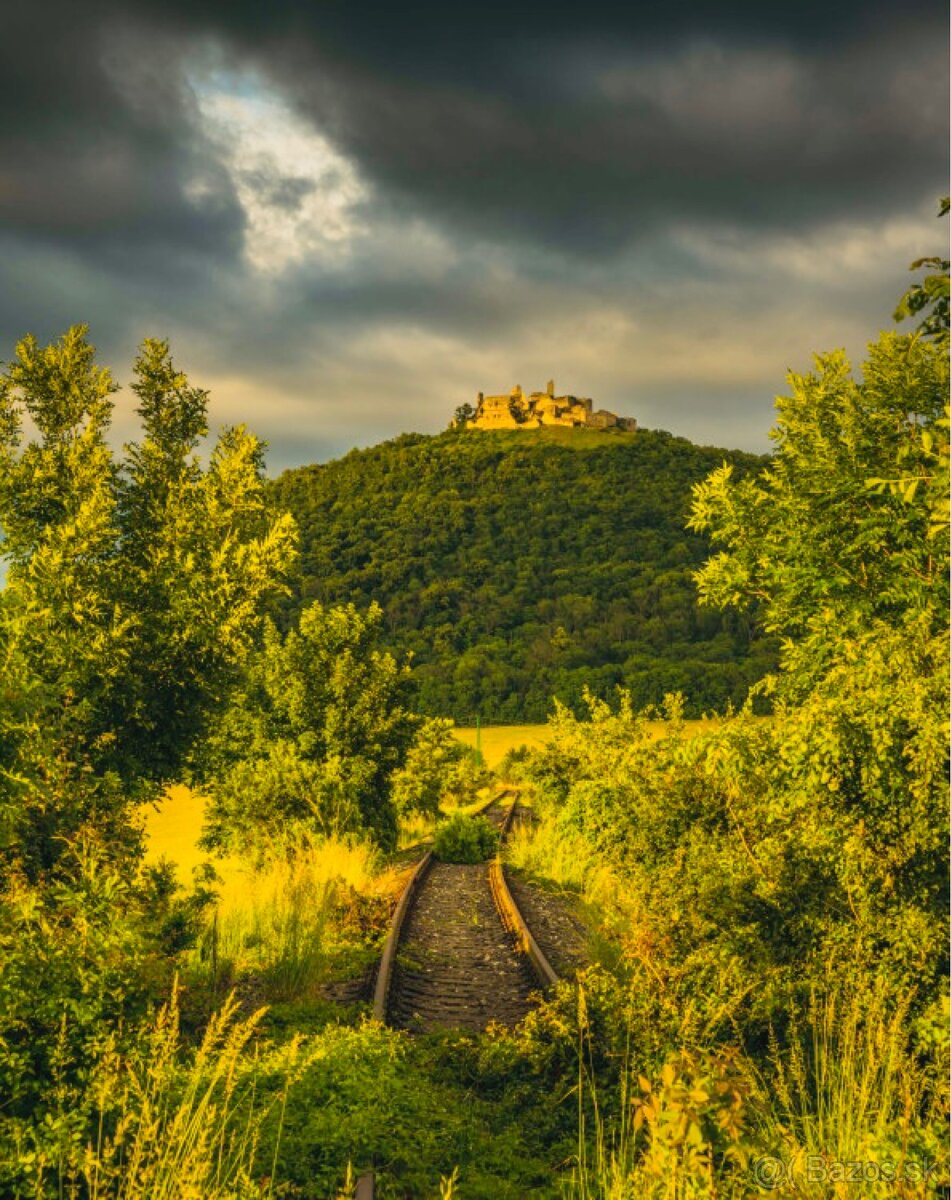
x: 520, y: 566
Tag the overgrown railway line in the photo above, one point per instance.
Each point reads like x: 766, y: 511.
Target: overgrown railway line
x: 459, y: 953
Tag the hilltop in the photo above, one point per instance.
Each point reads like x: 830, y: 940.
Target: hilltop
x: 517, y: 566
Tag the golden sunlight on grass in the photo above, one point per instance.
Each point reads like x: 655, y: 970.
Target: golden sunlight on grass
x: 284, y: 864
x: 546, y: 851
x: 172, y: 831
x: 279, y: 918
x: 279, y: 909
x: 497, y: 740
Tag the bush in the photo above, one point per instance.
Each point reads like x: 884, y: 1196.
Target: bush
x: 464, y: 839
x: 512, y: 764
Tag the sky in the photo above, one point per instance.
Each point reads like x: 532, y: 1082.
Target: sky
x: 348, y: 218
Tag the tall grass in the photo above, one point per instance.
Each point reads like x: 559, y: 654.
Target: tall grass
x: 415, y: 827
x: 170, y: 1123
x: 843, y: 1092
x: 278, y: 919
x: 847, y: 1088
x: 560, y: 856
x: 681, y: 1136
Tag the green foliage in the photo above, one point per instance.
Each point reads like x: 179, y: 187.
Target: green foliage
x: 821, y: 552
x: 133, y: 589
x: 513, y: 762
x: 517, y: 566
x: 417, y: 1109
x: 777, y: 887
x: 156, y: 1118
x: 930, y: 297
x: 464, y: 839
x: 856, y: 762
x: 679, y: 1137
x: 845, y: 1084
x: 314, y: 734
x: 81, y: 960
x: 439, y: 769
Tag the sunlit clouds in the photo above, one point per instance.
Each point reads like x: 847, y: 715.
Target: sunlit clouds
x: 299, y: 196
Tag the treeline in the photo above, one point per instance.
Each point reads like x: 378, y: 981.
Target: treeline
x: 518, y: 567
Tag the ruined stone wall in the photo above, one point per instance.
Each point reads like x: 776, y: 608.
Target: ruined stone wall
x: 518, y: 411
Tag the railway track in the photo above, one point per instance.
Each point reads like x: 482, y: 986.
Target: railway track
x: 459, y: 953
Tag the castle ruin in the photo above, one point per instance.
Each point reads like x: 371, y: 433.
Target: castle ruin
x: 520, y: 411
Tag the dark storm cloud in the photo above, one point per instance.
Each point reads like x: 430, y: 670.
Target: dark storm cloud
x: 588, y: 144
x: 96, y: 141
x: 585, y: 126
x: 575, y: 124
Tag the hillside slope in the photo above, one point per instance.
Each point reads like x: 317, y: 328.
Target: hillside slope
x: 517, y: 566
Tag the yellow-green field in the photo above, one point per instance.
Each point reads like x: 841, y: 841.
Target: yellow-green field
x: 172, y: 830
x: 497, y: 740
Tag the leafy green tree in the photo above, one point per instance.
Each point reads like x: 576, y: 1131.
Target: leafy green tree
x: 930, y: 298
x: 133, y: 591
x: 853, y: 574
x: 438, y: 768
x: 315, y: 735
x: 822, y: 552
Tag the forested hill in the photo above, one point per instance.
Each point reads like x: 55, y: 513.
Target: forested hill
x: 518, y: 566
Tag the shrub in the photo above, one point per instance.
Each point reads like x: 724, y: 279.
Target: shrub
x: 513, y: 762
x: 464, y: 839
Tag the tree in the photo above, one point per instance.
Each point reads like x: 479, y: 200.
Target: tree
x: 931, y: 296
x: 438, y: 767
x: 315, y: 735
x: 814, y: 539
x: 853, y: 573
x: 134, y: 590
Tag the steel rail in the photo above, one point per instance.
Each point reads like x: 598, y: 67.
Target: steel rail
x: 511, y: 914
x: 384, y: 977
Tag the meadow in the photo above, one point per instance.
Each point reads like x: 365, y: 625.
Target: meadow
x: 498, y: 740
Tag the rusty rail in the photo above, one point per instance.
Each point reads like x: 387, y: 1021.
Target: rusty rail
x: 511, y: 915
x: 384, y: 978
x: 482, y: 808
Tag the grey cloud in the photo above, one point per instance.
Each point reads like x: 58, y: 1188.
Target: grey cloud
x: 279, y: 191
x: 99, y: 146
x: 647, y: 203
x: 576, y: 126
x: 770, y: 135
